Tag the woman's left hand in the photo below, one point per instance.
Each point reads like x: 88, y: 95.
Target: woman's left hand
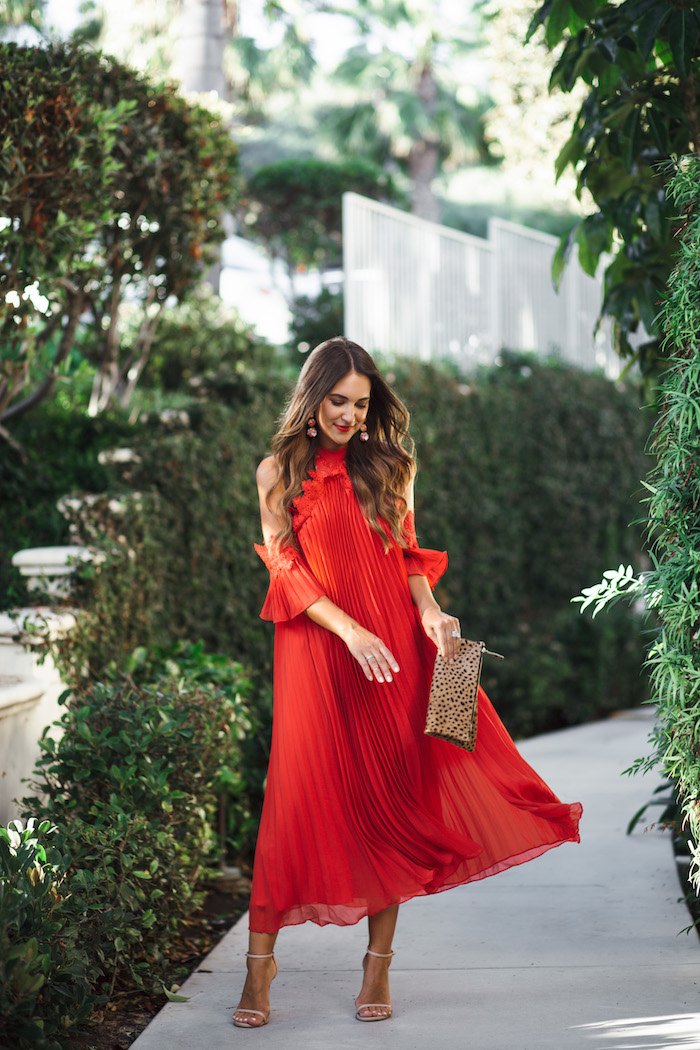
x: 441, y: 628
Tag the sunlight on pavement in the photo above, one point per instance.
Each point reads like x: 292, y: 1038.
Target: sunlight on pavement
x: 675, y: 1032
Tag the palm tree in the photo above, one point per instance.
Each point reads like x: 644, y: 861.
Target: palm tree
x: 204, y: 28
x: 403, y: 105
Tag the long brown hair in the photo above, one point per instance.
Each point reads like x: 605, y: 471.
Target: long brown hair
x: 380, y: 469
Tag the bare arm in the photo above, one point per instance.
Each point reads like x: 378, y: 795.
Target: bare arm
x: 376, y: 661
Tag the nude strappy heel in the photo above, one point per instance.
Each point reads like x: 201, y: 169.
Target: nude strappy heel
x: 376, y: 1006
x: 245, y: 1010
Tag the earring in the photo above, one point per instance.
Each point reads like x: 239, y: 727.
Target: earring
x: 364, y: 436
x: 311, y: 429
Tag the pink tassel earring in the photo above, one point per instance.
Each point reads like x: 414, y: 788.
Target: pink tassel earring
x: 311, y: 430
x: 364, y: 436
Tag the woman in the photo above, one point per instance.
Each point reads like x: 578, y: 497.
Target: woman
x: 363, y: 811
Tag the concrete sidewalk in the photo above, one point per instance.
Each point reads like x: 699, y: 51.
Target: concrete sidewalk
x: 579, y: 948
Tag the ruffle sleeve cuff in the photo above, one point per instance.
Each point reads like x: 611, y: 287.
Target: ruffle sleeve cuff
x: 293, y: 587
x: 421, y: 561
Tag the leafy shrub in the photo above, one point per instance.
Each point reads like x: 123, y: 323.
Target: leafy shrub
x: 240, y: 781
x: 44, y: 970
x: 122, y: 188
x: 669, y: 588
x: 179, y: 559
x: 201, y: 338
x: 133, y: 783
x: 313, y: 320
x: 529, y: 477
x: 60, y: 447
x: 294, y: 207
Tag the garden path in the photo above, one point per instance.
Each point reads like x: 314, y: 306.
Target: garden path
x: 577, y: 950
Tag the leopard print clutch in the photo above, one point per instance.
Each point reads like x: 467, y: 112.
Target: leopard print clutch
x: 452, y: 706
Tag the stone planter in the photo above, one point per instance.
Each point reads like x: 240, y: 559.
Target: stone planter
x: 29, y: 693
x: 49, y: 569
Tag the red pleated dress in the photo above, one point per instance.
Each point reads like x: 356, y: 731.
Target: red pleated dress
x: 362, y: 810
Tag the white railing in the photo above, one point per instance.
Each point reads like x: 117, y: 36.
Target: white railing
x: 418, y: 289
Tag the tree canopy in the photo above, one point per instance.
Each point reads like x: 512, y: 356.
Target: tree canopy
x: 110, y: 192
x: 294, y: 207
x: 407, y: 108
x: 640, y: 63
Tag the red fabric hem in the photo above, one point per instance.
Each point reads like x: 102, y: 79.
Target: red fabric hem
x: 421, y: 561
x: 293, y: 587
x: 304, y: 912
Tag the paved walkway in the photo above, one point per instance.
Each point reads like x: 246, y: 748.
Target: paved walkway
x: 576, y: 950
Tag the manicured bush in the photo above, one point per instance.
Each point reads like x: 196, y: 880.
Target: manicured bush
x: 115, y: 188
x: 179, y: 560
x: 670, y: 586
x: 45, y: 972
x: 294, y: 207
x: 200, y: 339
x: 529, y: 477
x: 60, y: 445
x: 313, y: 320
x: 134, y: 786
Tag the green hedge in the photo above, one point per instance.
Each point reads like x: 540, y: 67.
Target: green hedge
x: 45, y: 972
x: 97, y: 890
x: 60, y: 445
x: 529, y: 476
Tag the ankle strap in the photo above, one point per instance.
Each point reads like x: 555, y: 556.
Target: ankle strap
x: 249, y: 955
x: 379, y: 955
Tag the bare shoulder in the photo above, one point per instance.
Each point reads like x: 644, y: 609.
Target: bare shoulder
x: 266, y: 474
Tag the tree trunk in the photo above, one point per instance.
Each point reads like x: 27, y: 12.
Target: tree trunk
x: 203, y: 27
x: 198, y: 60
x: 423, y: 166
x: 424, y: 158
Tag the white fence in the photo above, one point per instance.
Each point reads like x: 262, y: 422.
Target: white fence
x: 418, y: 289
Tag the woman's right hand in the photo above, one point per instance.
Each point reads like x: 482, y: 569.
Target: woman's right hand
x: 377, y: 662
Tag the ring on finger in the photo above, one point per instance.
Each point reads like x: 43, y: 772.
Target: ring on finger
x: 371, y: 657
x: 456, y: 634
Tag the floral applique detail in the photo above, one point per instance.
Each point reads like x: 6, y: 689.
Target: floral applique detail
x: 409, y: 531
x: 421, y: 561
x: 277, y: 559
x: 325, y: 468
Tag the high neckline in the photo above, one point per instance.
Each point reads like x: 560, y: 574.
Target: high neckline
x: 332, y: 455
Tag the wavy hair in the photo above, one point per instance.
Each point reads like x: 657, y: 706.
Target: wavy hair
x: 380, y: 469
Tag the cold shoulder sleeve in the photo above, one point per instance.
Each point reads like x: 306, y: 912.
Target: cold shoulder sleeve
x: 293, y: 587
x: 421, y: 561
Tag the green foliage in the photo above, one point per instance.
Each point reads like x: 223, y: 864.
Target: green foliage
x: 113, y: 189
x: 200, y: 343
x: 404, y: 104
x: 640, y: 60
x: 22, y: 13
x: 240, y: 778
x: 134, y: 783
x: 517, y: 482
x: 98, y: 891
x: 313, y: 319
x: 61, y: 445
x: 44, y: 969
x: 294, y: 207
x: 674, y: 487
x: 670, y: 587
x: 177, y: 533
